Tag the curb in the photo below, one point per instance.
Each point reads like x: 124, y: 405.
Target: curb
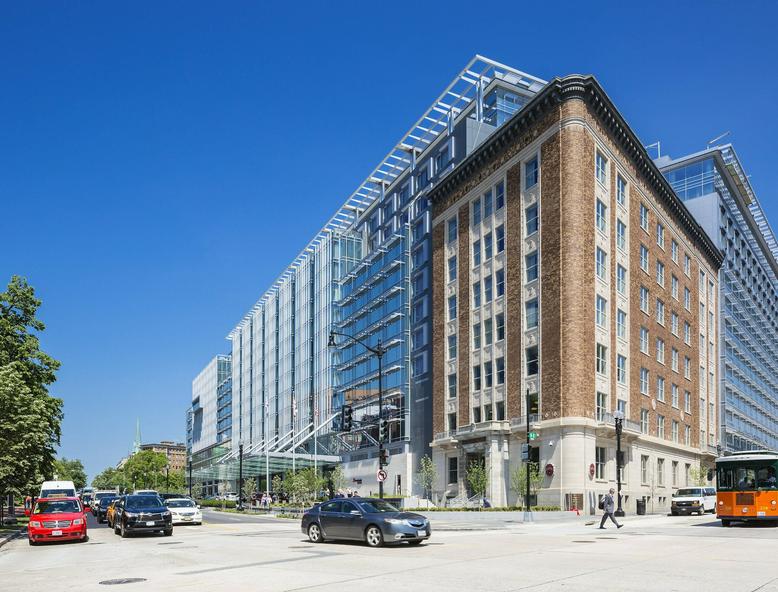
x: 13, y: 536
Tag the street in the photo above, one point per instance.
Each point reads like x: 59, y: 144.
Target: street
x: 235, y: 552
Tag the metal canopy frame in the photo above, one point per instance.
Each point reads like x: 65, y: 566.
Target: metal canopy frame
x: 467, y: 86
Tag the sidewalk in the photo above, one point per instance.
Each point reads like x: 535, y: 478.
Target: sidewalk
x: 499, y: 520
x: 7, y: 536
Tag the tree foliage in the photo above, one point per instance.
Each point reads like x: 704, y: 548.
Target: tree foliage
x: 30, y: 418
x: 70, y: 470
x: 145, y: 469
x: 478, y: 477
x: 110, y: 478
x: 337, y: 478
x: 519, y: 480
x: 699, y: 475
x: 427, y: 475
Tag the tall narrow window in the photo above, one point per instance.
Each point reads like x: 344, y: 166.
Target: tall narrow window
x: 644, y: 217
x: 452, y: 230
x: 488, y: 204
x: 499, y: 195
x: 601, y: 165
x: 601, y: 406
x: 452, y: 347
x: 601, y: 314
x: 621, y: 324
x: 531, y: 355
x: 621, y: 279
x: 644, y: 258
x: 621, y: 235
x: 532, y: 266
x: 488, y: 332
x: 452, y: 268
x: 621, y: 190
x: 500, y: 281
x: 477, y: 253
x: 601, y: 359
x: 531, y: 215
x: 476, y: 211
x: 660, y: 235
x: 500, y: 326
x: 643, y: 381
x: 476, y: 294
x: 452, y: 386
x: 621, y: 369
x: 477, y: 336
x: 532, y: 313
x: 488, y: 288
x: 500, y: 363
x: 488, y: 376
x: 452, y: 308
x: 500, y: 232
x: 477, y: 377
x: 531, y: 173
x: 601, y: 263
x: 487, y: 246
x: 601, y: 216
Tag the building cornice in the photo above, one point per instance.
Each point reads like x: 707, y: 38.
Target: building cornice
x: 587, y: 89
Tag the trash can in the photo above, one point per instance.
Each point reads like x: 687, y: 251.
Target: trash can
x: 641, y: 507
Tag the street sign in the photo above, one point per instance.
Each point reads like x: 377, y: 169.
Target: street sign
x: 381, y: 475
x: 525, y: 452
x: 533, y: 435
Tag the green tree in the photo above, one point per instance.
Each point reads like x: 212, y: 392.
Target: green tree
x: 70, y: 470
x: 519, y: 481
x: 28, y: 372
x: 699, y: 475
x: 279, y: 486
x: 427, y: 475
x: 477, y: 477
x: 22, y: 437
x: 145, y: 469
x: 338, y: 479
x: 110, y: 478
x: 311, y: 483
x: 176, y: 481
x: 249, y: 489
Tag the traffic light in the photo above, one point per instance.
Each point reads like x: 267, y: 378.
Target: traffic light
x: 346, y: 419
x: 383, y: 457
x: 382, y: 427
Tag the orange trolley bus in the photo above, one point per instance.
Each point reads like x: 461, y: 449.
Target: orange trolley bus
x: 747, y: 487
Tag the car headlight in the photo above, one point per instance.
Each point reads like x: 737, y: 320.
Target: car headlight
x: 35, y: 524
x: 78, y: 522
x: 695, y: 503
x: 131, y: 514
x: 166, y: 514
x: 393, y: 521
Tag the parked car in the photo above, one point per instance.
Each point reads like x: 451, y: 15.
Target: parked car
x: 167, y: 496
x: 111, y: 511
x: 184, y: 511
x: 57, y: 519
x: 141, y: 513
x: 101, y: 509
x: 697, y: 500
x: 230, y: 497
x: 375, y: 521
x: 57, y: 489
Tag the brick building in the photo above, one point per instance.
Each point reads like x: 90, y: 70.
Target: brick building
x: 175, y: 452
x: 566, y: 268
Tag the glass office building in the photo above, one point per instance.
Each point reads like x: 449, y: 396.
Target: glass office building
x: 715, y: 188
x: 365, y: 274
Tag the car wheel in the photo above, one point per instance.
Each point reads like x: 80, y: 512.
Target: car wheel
x: 32, y: 542
x: 85, y: 538
x: 123, y: 530
x: 373, y: 536
x: 168, y: 532
x: 314, y: 533
x: 673, y: 512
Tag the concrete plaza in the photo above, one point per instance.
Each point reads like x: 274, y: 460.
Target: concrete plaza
x: 236, y: 553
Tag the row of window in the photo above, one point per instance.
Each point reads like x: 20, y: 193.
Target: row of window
x: 491, y: 373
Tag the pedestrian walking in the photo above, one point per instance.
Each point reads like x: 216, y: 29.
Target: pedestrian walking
x: 606, y: 505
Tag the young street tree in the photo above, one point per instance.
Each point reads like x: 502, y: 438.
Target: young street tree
x: 519, y: 481
x: 30, y: 418
x: 699, y: 475
x: 110, y: 478
x: 427, y: 475
x: 478, y: 478
x: 145, y: 469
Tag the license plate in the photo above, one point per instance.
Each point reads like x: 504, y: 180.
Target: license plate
x: 150, y: 523
x: 187, y: 518
x: 56, y: 533
x: 421, y: 533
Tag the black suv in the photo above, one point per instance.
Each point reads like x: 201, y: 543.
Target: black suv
x: 142, y: 513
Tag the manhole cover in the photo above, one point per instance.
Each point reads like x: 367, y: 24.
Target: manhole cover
x: 122, y: 581
x: 584, y: 541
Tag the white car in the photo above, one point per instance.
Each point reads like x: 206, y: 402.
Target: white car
x: 145, y: 492
x: 57, y: 489
x: 98, y: 495
x: 231, y: 497
x: 693, y: 500
x: 184, y: 511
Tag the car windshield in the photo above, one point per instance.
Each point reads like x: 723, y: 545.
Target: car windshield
x: 58, y: 493
x: 57, y: 507
x: 106, y: 501
x: 688, y: 492
x: 747, y: 475
x: 180, y: 503
x: 142, y: 501
x: 377, y: 507
x: 110, y: 494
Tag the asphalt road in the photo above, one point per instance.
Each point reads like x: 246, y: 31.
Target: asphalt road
x: 251, y: 553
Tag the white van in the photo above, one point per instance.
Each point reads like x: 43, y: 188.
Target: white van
x: 58, y: 489
x: 697, y: 500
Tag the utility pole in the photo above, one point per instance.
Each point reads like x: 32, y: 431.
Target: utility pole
x: 190, y: 477
x: 240, y: 477
x: 527, y: 510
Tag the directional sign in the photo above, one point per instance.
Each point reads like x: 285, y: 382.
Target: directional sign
x: 525, y: 452
x: 381, y: 475
x: 533, y: 435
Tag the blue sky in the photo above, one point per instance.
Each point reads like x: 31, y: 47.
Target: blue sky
x: 160, y: 163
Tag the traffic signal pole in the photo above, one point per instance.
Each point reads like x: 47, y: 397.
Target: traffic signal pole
x: 379, y: 352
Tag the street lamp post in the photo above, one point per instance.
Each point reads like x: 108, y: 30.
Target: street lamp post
x: 378, y: 351
x: 240, y: 477
x: 618, y: 417
x: 190, y: 477
x: 167, y: 478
